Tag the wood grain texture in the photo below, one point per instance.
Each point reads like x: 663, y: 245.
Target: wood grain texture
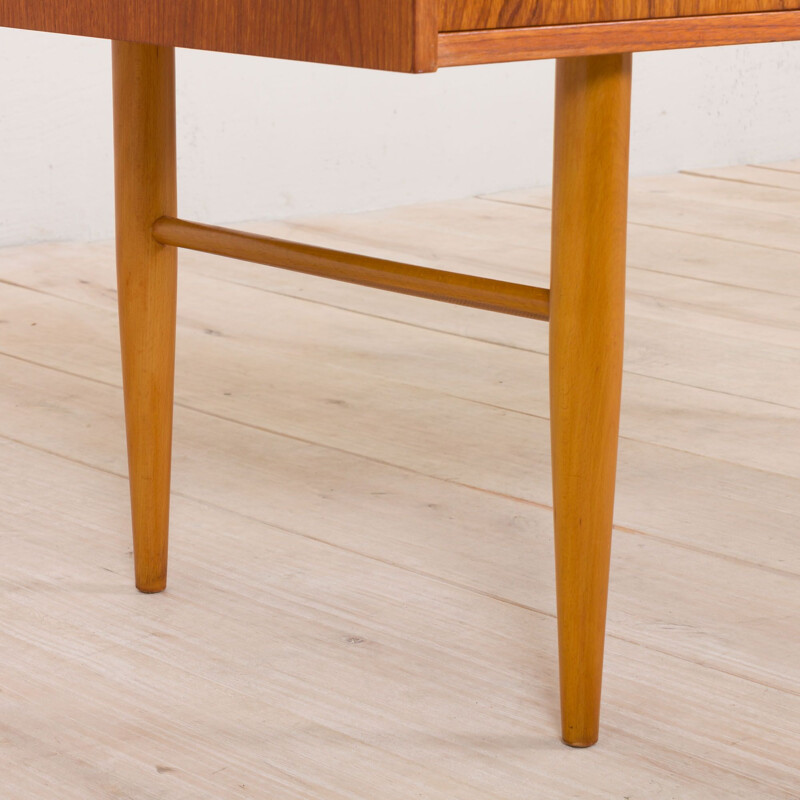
x: 450, y: 287
x: 785, y: 166
x: 752, y: 176
x: 146, y: 188
x: 522, y: 44
x: 380, y: 34
x: 401, y: 35
x: 692, y: 301
x: 728, y: 216
x: 277, y: 321
x: 460, y: 15
x: 590, y: 197
x: 450, y: 693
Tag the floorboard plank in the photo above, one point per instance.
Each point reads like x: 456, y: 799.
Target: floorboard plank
x: 752, y: 175
x: 725, y: 216
x: 784, y: 166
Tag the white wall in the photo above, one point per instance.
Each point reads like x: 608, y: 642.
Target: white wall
x: 261, y: 138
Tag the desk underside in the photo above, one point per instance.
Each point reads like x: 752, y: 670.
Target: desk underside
x: 411, y: 35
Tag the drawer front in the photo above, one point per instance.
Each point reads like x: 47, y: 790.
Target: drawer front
x: 464, y: 15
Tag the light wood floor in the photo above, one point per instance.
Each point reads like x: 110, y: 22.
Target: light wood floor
x: 361, y: 590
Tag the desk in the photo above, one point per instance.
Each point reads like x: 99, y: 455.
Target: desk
x: 584, y: 304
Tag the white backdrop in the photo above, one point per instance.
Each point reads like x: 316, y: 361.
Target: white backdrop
x: 262, y: 138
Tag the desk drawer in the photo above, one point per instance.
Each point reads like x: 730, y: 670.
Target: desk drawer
x: 464, y: 15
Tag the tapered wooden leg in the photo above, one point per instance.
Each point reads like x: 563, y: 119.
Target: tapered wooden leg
x: 590, y: 197
x: 144, y: 145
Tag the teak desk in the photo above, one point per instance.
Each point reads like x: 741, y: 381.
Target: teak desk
x: 593, y: 40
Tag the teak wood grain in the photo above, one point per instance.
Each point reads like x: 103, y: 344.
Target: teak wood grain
x: 601, y: 38
x: 459, y: 15
x: 401, y: 35
x: 380, y: 34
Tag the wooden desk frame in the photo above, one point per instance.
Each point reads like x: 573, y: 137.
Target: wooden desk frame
x: 398, y: 35
x: 584, y: 304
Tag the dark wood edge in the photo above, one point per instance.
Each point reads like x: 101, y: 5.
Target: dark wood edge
x: 426, y: 28
x: 558, y: 41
